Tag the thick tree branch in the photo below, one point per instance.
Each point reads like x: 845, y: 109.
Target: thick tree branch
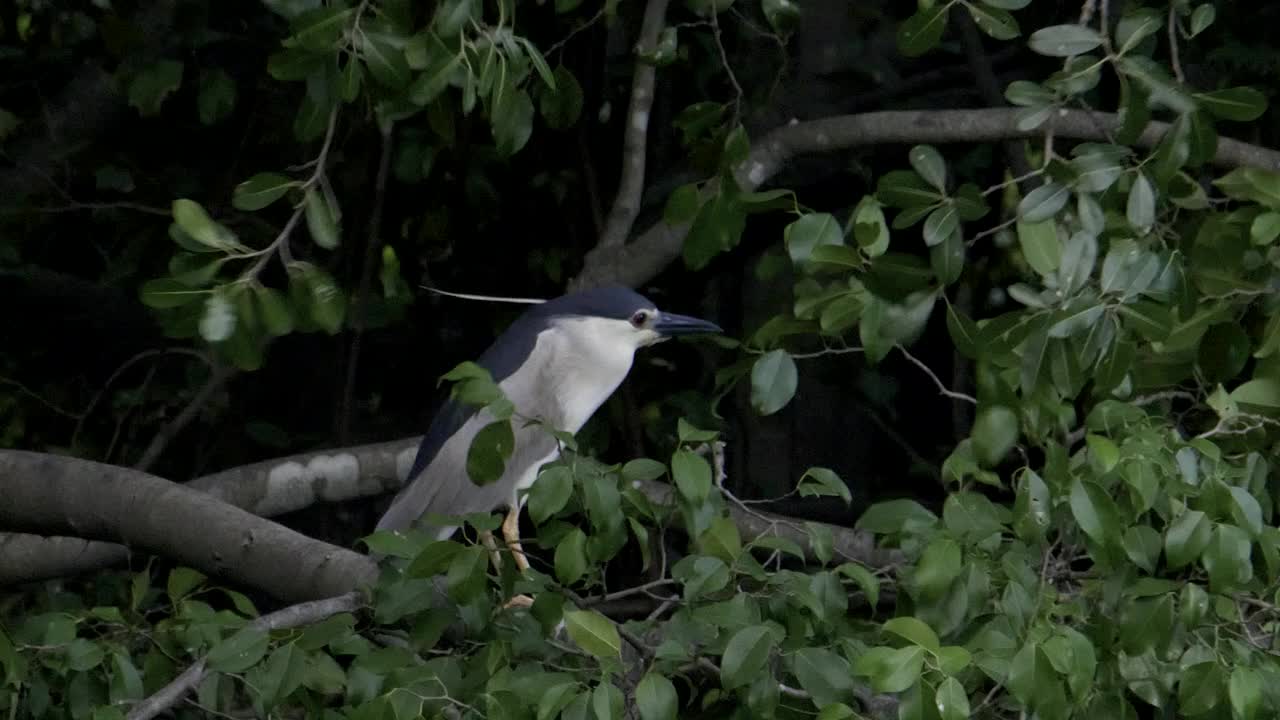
x: 637, y: 262
x: 298, y: 615
x: 288, y: 484
x: 62, y: 495
x: 635, y: 138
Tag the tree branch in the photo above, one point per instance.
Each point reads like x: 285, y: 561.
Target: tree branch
x: 635, y: 138
x: 637, y: 262
x: 275, y: 487
x: 218, y: 375
x: 63, y: 495
x: 293, y: 616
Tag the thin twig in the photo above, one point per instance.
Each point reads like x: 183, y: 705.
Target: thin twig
x: 219, y: 375
x: 316, y: 176
x: 1174, y: 59
x: 942, y: 389
x: 373, y: 247
x: 289, y: 617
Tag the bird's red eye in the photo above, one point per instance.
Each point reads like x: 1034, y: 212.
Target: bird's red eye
x: 639, y: 318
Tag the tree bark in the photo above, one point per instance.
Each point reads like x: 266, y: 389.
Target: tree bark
x: 63, y: 495
x: 638, y: 261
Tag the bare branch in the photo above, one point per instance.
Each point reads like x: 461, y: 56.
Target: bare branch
x: 942, y: 388
x: 63, y: 495
x: 637, y: 262
x: 304, y: 613
x: 288, y: 484
x: 218, y: 375
x: 635, y: 138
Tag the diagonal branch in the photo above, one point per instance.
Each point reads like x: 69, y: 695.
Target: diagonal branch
x: 640, y: 260
x: 304, y: 613
x: 275, y: 487
x: 63, y: 495
x: 635, y: 138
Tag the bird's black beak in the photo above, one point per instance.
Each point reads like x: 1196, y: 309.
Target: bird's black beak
x: 672, y: 325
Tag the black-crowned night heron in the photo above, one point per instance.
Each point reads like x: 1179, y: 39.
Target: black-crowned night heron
x: 557, y: 363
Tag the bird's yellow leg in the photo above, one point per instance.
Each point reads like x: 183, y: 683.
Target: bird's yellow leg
x: 491, y: 544
x: 511, y: 533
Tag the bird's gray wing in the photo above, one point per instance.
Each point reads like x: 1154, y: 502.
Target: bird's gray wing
x: 501, y: 359
x: 413, y: 499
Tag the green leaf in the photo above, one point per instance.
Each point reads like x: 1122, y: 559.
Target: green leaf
x: 239, y: 652
x: 182, y: 580
x: 1187, y: 536
x: 773, y: 381
x: 1265, y: 228
x: 550, y: 493
x: 1245, y: 691
x: 951, y: 700
x: 466, y: 577
x: 745, y: 656
x: 1095, y: 511
x: 895, y: 516
x: 274, y: 310
x: 571, y: 557
x: 941, y: 225
x: 722, y: 540
x: 384, y: 57
x: 1064, y: 40
x: 914, y: 630
x: 319, y: 29
x: 899, y: 670
x: 1141, y: 207
x: 322, y: 220
x: 1202, y: 18
x: 921, y: 32
x: 823, y: 674
x: 1043, y: 202
x: 1228, y: 558
x: 809, y: 232
x: 1040, y: 245
x: 260, y: 191
x: 490, y: 450
x: 1136, y: 26
x: 1263, y: 393
x: 656, y: 698
x: 692, y: 474
x: 83, y: 655
x: 642, y: 469
x: 1242, y: 104
x: 905, y: 189
x: 217, y: 96
x: 995, y: 431
x: 993, y: 21
x: 869, y: 229
x: 196, y: 223
x: 594, y: 633
x: 1200, y: 688
x: 824, y: 481
x: 1142, y: 545
x: 435, y: 79
x: 283, y: 673
x: 152, y: 85
x: 937, y: 568
x: 682, y: 205
x: 928, y: 162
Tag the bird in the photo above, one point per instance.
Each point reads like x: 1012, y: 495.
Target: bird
x: 557, y: 363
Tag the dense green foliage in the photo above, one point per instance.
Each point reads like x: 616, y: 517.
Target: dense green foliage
x: 1106, y: 544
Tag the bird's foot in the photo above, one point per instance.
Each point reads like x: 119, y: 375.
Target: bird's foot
x: 511, y: 533
x: 519, y: 601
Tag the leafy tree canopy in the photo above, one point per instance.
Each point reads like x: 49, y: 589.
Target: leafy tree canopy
x: 1000, y: 278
